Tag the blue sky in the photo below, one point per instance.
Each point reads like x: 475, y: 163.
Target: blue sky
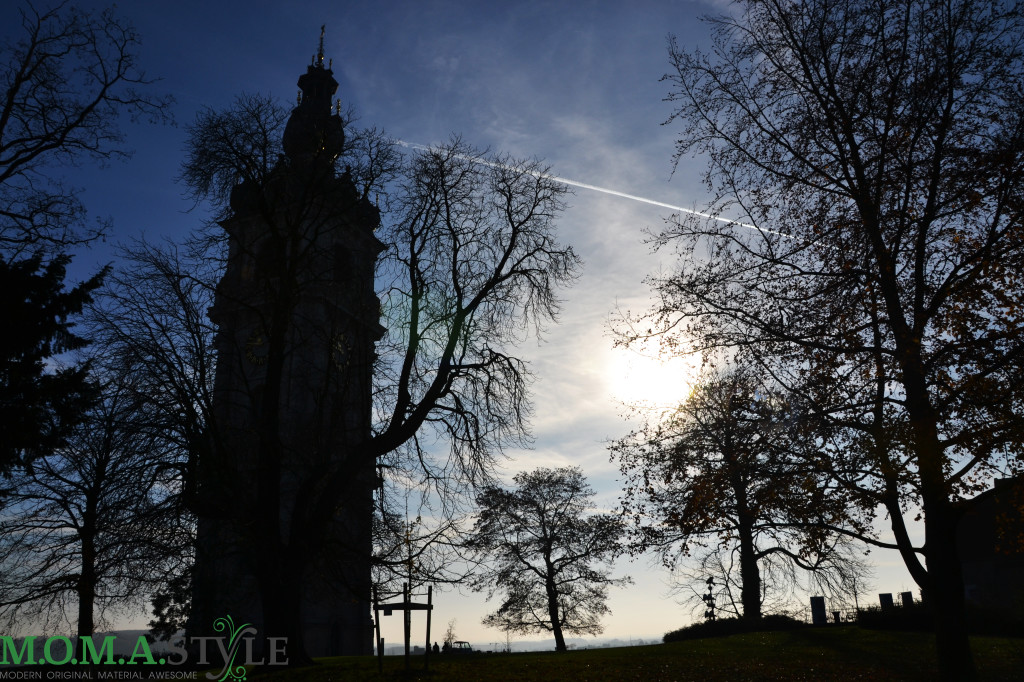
x: 573, y: 82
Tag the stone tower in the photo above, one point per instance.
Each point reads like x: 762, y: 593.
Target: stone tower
x: 297, y: 319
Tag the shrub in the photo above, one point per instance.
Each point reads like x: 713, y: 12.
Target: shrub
x: 724, y: 627
x: 916, y: 618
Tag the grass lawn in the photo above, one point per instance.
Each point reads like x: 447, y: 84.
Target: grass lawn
x: 833, y: 653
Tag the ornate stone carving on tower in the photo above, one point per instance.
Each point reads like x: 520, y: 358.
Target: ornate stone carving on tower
x: 297, y: 320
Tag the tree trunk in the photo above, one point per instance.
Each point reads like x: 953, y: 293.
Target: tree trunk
x: 750, y: 574
x: 898, y: 524
x: 552, y: 592
x: 556, y: 628
x: 86, y: 594
x: 944, y: 589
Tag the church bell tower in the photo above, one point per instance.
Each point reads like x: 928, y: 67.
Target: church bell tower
x: 297, y: 320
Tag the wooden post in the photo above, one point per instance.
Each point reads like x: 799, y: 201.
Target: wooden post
x: 430, y: 602
x: 407, y: 598
x: 406, y: 606
x: 379, y: 640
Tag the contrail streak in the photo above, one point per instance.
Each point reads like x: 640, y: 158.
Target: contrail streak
x: 605, y: 190
x: 652, y: 202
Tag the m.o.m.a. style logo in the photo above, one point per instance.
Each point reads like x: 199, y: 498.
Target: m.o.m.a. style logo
x: 58, y: 660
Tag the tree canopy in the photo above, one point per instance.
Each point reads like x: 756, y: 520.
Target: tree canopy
x: 40, y: 406
x: 67, y: 80
x: 95, y: 524
x: 726, y: 477
x: 546, y: 555
x: 871, y: 153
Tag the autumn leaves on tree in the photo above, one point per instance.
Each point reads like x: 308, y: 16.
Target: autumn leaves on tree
x: 877, y: 151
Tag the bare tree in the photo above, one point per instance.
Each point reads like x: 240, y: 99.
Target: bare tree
x: 871, y: 152
x: 94, y: 526
x: 152, y: 315
x: 547, y: 557
x: 450, y: 635
x: 426, y: 550
x: 472, y: 268
x: 67, y: 79
x: 727, y: 472
x: 66, y: 82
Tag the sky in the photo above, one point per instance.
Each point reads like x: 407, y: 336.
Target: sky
x: 573, y: 82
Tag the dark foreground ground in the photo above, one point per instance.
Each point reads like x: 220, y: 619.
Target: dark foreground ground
x: 832, y: 653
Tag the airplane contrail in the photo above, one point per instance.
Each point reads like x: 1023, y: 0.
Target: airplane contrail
x: 613, y: 192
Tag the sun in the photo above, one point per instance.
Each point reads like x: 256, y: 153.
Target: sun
x: 639, y: 375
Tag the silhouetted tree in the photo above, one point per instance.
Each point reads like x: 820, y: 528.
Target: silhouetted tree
x: 727, y: 472
x: 449, y: 635
x: 545, y: 554
x: 67, y: 79
x: 416, y: 553
x: 151, y: 314
x: 94, y: 525
x: 39, y: 407
x: 172, y: 605
x: 873, y: 152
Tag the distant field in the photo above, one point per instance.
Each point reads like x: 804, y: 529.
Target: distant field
x: 834, y: 653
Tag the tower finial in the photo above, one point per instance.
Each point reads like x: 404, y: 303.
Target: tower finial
x: 320, y: 51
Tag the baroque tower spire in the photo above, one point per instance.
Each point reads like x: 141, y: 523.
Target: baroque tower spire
x: 314, y: 135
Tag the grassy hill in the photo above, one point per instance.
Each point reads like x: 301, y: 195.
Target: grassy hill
x: 832, y: 653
